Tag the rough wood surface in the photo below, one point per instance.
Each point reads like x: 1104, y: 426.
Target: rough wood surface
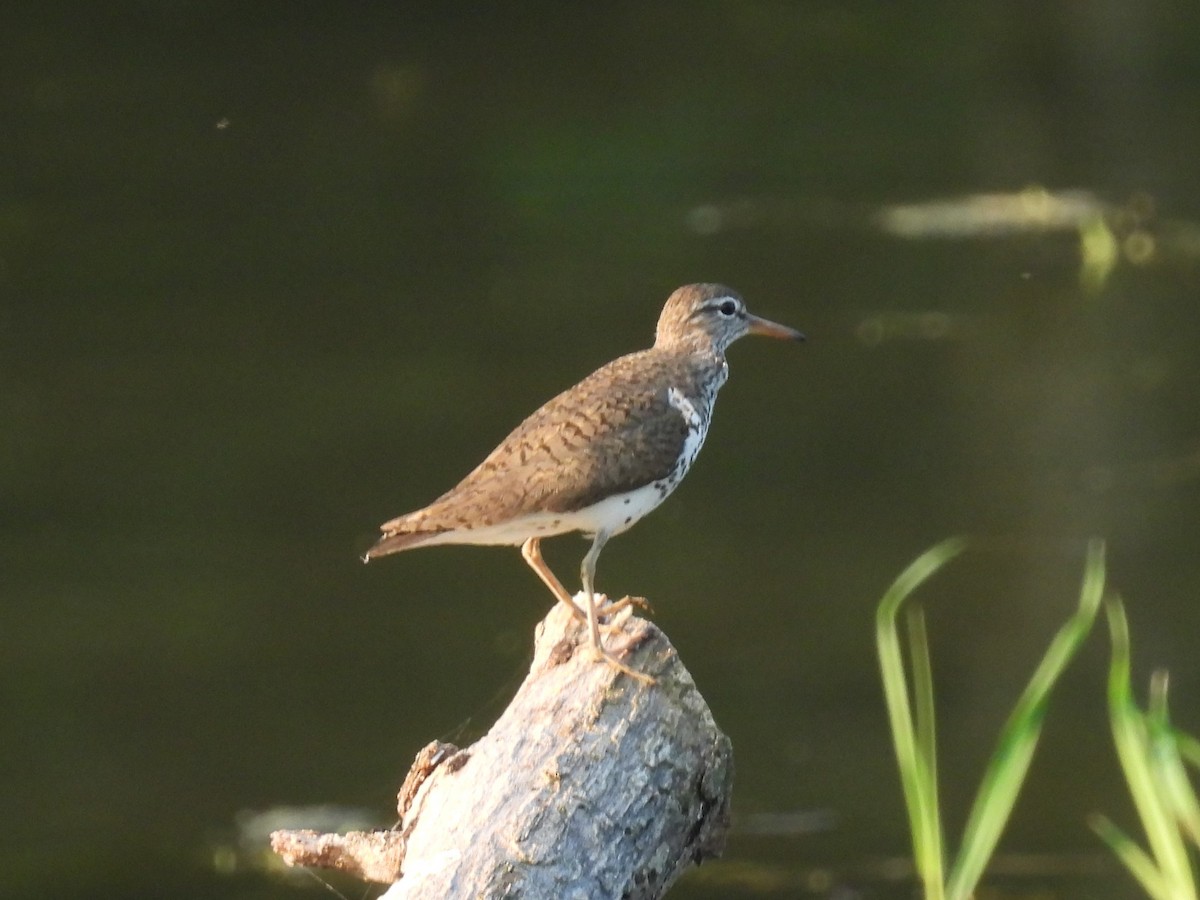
x: 369, y: 855
x: 590, y: 785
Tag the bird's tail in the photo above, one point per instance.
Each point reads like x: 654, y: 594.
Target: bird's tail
x: 394, y: 542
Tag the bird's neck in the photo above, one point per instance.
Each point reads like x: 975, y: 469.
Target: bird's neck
x: 706, y: 368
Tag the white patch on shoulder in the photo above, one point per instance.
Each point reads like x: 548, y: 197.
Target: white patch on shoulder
x: 685, y: 406
x: 697, y: 428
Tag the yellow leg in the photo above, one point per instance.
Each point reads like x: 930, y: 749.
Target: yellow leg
x: 531, y: 550
x: 587, y: 572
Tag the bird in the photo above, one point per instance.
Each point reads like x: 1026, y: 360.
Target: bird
x: 599, y: 456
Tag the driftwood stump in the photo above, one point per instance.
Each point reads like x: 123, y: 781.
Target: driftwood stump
x: 590, y: 785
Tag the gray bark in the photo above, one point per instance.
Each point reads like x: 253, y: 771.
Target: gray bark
x: 591, y: 785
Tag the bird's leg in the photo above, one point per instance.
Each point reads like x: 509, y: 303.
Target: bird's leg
x: 587, y: 572
x: 531, y: 550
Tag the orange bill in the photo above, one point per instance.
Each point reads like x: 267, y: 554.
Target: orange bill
x: 773, y: 329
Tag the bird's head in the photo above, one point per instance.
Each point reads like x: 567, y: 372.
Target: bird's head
x: 710, y: 317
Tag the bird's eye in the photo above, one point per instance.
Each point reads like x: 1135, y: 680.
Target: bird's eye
x: 728, y: 308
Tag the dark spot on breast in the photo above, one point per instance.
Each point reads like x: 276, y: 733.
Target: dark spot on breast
x: 628, y: 519
x: 626, y: 501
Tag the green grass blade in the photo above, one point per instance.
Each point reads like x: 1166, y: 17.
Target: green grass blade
x: 915, y: 778
x: 1018, y: 739
x: 1133, y: 749
x: 1136, y: 860
x: 926, y: 720
x: 1189, y: 748
x: 1174, y: 788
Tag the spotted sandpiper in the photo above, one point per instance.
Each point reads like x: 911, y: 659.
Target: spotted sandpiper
x: 600, y: 455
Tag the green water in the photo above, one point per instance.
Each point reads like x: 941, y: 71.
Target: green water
x: 273, y: 273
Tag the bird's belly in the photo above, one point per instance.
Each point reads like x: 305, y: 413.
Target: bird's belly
x: 620, y: 512
x: 613, y: 514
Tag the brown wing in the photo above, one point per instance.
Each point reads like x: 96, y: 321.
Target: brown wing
x: 614, y: 431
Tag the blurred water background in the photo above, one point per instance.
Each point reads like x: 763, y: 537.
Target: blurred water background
x: 271, y: 273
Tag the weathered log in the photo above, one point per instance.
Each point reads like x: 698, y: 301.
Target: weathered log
x: 590, y: 785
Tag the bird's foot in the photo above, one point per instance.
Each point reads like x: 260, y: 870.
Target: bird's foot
x: 609, y: 612
x: 612, y: 607
x: 608, y: 609
x: 579, y: 605
x: 599, y: 653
